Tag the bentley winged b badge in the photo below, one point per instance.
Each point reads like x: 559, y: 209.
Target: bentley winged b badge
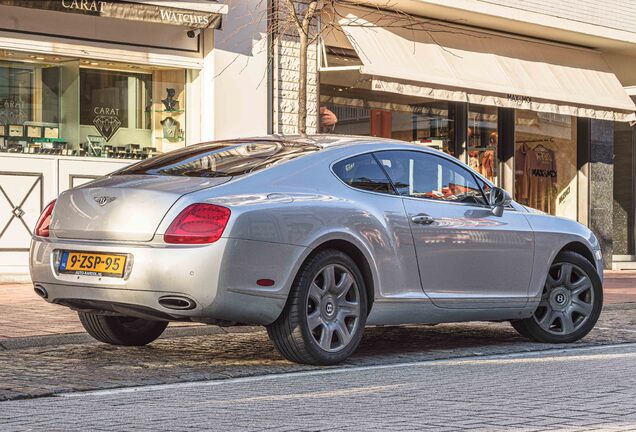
x: 103, y: 200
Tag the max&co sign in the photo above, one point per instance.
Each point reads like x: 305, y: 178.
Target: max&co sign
x: 130, y: 10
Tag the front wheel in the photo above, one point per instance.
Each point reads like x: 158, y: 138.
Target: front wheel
x: 570, y: 305
x: 119, y: 330
x: 326, y: 311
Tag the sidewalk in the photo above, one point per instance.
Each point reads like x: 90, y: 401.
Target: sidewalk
x: 24, y: 314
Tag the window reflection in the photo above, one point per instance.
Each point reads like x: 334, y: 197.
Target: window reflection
x: 483, y: 141
x: 428, y: 176
x: 545, y: 162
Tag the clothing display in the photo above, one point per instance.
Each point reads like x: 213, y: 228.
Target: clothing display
x: 488, y: 164
x: 473, y: 160
x: 483, y: 143
x: 483, y: 161
x: 536, y: 177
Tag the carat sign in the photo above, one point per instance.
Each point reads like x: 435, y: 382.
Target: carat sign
x: 125, y: 10
x: 107, y: 122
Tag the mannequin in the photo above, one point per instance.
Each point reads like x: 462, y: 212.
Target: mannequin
x: 170, y: 128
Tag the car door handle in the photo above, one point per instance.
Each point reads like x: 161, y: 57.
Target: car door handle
x: 423, y: 219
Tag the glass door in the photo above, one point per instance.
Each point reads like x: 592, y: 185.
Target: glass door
x: 624, y: 241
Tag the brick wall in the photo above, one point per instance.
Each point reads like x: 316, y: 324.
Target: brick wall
x: 285, y: 103
x: 615, y: 14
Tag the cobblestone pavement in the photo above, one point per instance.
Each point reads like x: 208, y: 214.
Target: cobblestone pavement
x: 578, y: 390
x: 24, y: 314
x: 41, y: 371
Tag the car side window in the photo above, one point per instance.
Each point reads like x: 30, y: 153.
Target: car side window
x: 485, y: 187
x: 423, y: 175
x: 363, y: 172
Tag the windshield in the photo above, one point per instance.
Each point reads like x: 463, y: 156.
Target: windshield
x: 221, y: 159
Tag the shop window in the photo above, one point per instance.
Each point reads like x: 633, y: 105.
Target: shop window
x: 131, y: 115
x: 63, y: 106
x: 422, y: 175
x: 29, y: 105
x: 363, y: 172
x: 129, y: 96
x: 483, y: 141
x: 431, y: 123
x: 545, y: 162
x: 16, y: 94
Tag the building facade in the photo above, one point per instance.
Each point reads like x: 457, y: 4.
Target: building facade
x: 89, y: 87
x: 536, y: 95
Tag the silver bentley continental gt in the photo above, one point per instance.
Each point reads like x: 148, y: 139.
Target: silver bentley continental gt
x: 314, y: 238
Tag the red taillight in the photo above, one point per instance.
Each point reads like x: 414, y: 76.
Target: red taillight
x: 42, y: 227
x: 198, y: 224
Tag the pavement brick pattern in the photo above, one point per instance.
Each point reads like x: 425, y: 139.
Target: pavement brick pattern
x: 24, y: 314
x: 42, y: 371
x: 590, y: 390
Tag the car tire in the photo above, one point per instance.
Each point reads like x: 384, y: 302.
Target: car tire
x: 325, y: 313
x: 118, y: 330
x: 570, y: 305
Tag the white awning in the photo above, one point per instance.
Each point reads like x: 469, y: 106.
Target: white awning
x: 443, y: 61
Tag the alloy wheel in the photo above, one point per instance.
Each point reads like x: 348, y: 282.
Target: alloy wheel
x: 333, y: 308
x: 567, y: 300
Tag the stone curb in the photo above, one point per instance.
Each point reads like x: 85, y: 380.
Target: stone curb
x: 171, y: 332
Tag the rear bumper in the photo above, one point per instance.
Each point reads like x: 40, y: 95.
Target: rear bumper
x: 220, y: 279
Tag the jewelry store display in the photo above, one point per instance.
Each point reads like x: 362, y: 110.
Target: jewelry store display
x: 170, y: 103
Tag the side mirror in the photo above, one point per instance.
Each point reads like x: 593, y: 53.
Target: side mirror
x: 498, y: 199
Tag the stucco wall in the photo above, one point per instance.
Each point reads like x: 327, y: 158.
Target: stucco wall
x: 615, y: 14
x: 237, y: 99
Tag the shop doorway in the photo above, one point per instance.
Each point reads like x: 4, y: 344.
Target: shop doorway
x: 624, y: 236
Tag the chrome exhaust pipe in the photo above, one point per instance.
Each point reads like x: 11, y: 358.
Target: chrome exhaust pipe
x: 41, y: 291
x: 177, y: 303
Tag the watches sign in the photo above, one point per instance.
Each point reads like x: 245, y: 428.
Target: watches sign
x: 129, y: 10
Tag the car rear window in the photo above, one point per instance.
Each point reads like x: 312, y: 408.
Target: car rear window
x: 221, y: 159
x: 363, y: 172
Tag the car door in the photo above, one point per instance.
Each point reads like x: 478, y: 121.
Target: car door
x: 467, y: 256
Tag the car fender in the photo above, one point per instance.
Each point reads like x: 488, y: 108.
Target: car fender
x: 340, y: 235
x: 552, y: 235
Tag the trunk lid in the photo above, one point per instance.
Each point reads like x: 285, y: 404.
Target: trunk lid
x: 122, y: 207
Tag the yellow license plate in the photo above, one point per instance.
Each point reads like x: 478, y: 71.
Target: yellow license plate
x: 93, y: 264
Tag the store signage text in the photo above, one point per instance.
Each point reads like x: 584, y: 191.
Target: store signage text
x: 123, y: 9
x: 564, y: 195
x: 520, y: 99
x: 85, y: 5
x: 106, y: 121
x: 184, y: 18
x: 178, y: 18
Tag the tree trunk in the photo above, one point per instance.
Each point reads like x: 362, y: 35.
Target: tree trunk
x: 302, y: 85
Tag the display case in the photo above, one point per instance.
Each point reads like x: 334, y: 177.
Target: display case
x: 74, y: 107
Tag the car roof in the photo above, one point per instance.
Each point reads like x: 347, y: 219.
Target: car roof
x: 332, y: 141
x: 323, y: 140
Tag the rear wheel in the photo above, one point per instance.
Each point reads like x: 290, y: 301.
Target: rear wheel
x: 325, y: 315
x: 119, y: 330
x: 570, y: 305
